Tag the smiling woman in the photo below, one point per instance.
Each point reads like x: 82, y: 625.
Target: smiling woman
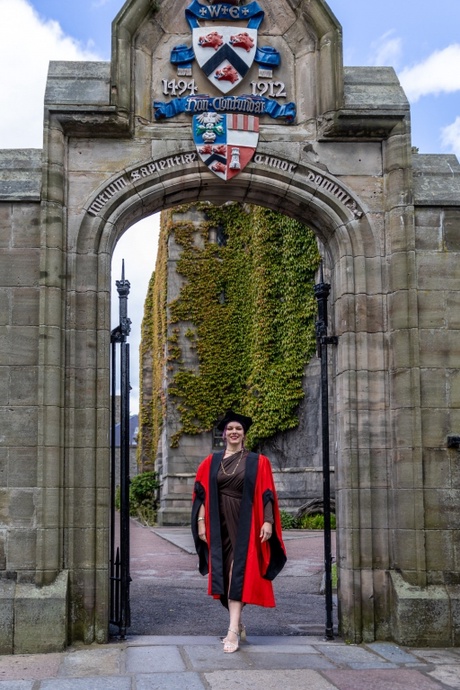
x: 236, y: 526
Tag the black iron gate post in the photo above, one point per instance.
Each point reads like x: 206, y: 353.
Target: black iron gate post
x: 120, y: 614
x: 322, y: 291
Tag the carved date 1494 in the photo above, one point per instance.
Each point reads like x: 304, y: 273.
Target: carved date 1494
x: 181, y: 87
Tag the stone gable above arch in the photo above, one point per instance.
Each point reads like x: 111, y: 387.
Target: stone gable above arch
x: 306, y: 33
x: 117, y: 98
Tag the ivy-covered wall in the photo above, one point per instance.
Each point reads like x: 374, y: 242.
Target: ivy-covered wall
x: 239, y: 331
x: 152, y: 404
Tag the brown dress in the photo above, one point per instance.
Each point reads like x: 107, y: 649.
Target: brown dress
x: 230, y: 482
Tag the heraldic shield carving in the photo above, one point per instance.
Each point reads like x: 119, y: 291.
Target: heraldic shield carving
x: 226, y: 143
x: 225, y: 56
x: 225, y: 47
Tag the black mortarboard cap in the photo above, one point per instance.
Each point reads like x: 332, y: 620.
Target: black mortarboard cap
x: 231, y: 416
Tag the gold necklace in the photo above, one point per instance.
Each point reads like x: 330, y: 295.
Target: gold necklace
x: 230, y: 474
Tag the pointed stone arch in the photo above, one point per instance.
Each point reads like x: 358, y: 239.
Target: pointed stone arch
x: 314, y: 198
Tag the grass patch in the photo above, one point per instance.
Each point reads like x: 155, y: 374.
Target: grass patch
x: 313, y: 521
x: 143, y: 502
x: 334, y: 575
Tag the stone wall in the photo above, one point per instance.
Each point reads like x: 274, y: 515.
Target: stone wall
x: 24, y: 497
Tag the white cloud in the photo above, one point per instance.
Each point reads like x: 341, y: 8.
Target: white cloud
x: 27, y: 44
x: 387, y: 50
x: 439, y: 73
x: 138, y: 247
x: 450, y: 137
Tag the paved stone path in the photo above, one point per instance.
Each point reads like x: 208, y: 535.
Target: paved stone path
x: 163, y: 564
x: 264, y: 663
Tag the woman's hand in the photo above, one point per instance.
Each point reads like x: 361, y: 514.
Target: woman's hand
x: 266, y: 531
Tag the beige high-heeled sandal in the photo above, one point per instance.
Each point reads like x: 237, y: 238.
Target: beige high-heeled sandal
x: 242, y: 634
x: 231, y: 647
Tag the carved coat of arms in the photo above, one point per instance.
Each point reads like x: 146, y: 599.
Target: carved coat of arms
x: 224, y: 55
x: 226, y: 143
x: 225, y: 47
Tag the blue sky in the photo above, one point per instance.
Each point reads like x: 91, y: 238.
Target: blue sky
x: 419, y: 38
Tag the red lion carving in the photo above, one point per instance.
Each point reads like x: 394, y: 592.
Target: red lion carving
x: 218, y: 167
x: 207, y: 149
x: 243, y: 40
x: 227, y: 73
x: 211, y: 40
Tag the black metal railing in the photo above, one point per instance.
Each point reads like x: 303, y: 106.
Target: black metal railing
x: 322, y: 291
x: 120, y: 613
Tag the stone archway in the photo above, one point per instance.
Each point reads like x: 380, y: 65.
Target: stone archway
x: 345, y: 167
x: 336, y: 217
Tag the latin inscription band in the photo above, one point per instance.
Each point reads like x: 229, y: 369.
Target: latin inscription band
x: 254, y: 105
x: 138, y: 174
x: 156, y: 167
